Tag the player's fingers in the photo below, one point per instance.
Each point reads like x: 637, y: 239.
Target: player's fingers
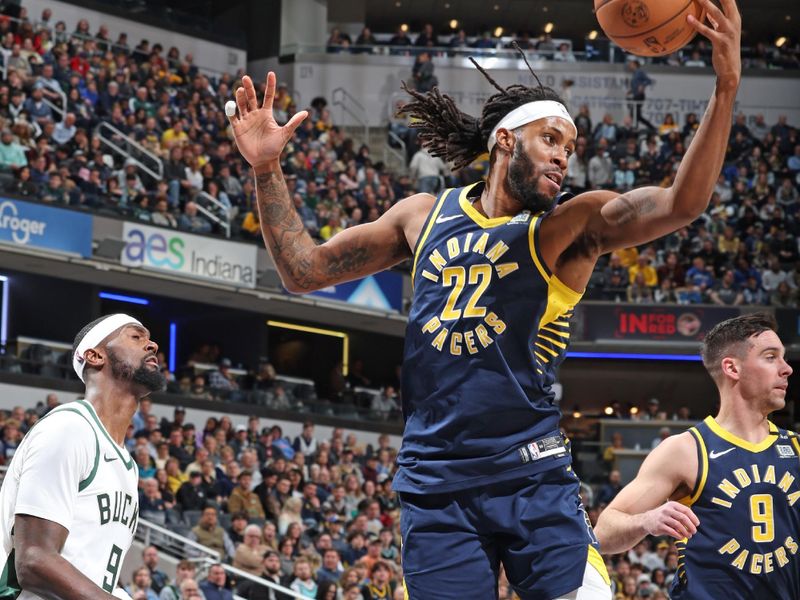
x: 686, y: 522
x: 730, y: 9
x: 295, y: 121
x: 701, y: 28
x: 675, y: 524
x: 665, y: 530
x: 241, y: 101
x: 250, y: 93
x: 688, y: 512
x: 715, y: 15
x: 269, y: 92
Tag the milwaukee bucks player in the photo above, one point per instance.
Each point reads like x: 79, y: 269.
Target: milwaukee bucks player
x: 69, y: 502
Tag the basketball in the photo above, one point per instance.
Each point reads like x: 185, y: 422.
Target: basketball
x: 648, y: 27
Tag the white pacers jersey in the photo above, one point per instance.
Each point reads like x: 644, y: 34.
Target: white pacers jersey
x: 68, y: 470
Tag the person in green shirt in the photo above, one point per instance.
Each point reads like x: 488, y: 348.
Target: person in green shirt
x: 11, y: 154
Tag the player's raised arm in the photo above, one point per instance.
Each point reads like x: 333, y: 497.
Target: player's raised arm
x: 645, y: 214
x: 643, y: 507
x: 303, y: 265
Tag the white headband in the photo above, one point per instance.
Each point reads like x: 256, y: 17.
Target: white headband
x: 528, y: 113
x: 96, y: 335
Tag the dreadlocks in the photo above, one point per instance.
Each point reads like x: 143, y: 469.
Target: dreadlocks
x: 460, y: 138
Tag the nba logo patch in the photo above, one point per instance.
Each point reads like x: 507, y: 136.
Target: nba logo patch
x: 534, y: 451
x: 785, y: 451
x: 521, y: 218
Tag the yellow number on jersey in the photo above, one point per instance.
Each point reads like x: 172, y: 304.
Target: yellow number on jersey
x: 761, y: 514
x: 457, y: 278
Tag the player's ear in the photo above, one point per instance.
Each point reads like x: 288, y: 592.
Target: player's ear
x: 505, y: 140
x: 730, y: 368
x: 94, y: 357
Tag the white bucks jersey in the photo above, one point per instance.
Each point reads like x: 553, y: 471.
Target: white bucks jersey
x: 68, y: 470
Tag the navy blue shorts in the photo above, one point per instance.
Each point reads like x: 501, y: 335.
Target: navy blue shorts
x: 454, y: 543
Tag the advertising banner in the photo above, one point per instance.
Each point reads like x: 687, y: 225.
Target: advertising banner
x: 190, y: 255
x: 383, y: 291
x: 42, y: 226
x: 675, y: 323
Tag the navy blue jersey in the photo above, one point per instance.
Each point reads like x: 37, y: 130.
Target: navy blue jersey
x: 488, y: 326
x: 747, y: 498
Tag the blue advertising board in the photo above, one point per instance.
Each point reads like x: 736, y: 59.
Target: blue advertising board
x: 383, y: 291
x: 28, y: 224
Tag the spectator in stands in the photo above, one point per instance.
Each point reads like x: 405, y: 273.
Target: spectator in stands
x: 303, y: 582
x: 243, y: 499
x: 184, y: 572
x: 773, y: 276
x: 208, y: 533
x: 381, y: 585
x: 151, y: 504
x: 305, y: 443
x: 663, y: 434
x: 601, y: 166
x: 271, y: 571
x: 158, y: 578
x: 12, y: 155
x: 237, y: 528
x: 331, y: 569
x: 400, y: 38
x: 192, y: 494
x: 191, y: 221
x: 726, y: 292
x: 609, y: 454
x: 221, y: 379
x: 427, y: 171
x: 249, y: 554
x: 290, y: 513
x: 783, y: 296
x: 213, y: 586
x: 178, y: 451
x: 141, y: 584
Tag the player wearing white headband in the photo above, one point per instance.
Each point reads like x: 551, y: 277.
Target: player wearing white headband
x: 484, y: 475
x: 69, y: 502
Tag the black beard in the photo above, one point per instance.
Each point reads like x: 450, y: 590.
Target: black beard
x: 152, y: 381
x: 521, y: 184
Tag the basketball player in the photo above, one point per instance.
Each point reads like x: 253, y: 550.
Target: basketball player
x: 739, y: 473
x: 69, y: 502
x: 498, y: 266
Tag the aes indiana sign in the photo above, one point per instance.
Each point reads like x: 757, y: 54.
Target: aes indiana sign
x: 189, y: 255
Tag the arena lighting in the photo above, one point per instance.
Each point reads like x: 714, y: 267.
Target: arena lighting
x: 634, y: 410
x: 122, y: 298
x: 496, y: 7
x: 329, y: 332
x: 498, y: 31
x: 453, y: 23
x: 576, y: 414
x: 592, y: 34
x: 630, y: 356
x: 608, y: 410
x: 549, y: 28
x: 404, y: 27
x: 4, y: 315
x: 780, y: 41
x: 173, y: 342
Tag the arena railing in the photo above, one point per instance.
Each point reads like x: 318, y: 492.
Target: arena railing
x: 173, y: 543
x: 222, y: 216
x: 348, y: 104
x: 124, y: 145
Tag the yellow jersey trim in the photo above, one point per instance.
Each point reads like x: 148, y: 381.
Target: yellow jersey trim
x: 563, y: 334
x: 702, y: 469
x: 739, y: 442
x: 474, y: 214
x: 795, y: 443
x: 532, y: 244
x: 598, y: 563
x: 431, y: 220
x: 556, y: 343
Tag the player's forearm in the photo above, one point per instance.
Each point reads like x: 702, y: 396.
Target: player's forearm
x: 618, y: 531
x: 50, y: 576
x: 700, y: 167
x: 287, y: 240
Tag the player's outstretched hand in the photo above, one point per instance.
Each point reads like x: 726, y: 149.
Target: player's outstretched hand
x: 258, y: 136
x: 725, y: 33
x: 671, y: 518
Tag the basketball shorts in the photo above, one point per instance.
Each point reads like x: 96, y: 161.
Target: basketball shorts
x: 536, y: 527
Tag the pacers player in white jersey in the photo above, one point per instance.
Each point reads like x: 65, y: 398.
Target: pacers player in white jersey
x: 69, y: 503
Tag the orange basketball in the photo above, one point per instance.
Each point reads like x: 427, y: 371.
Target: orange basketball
x: 648, y: 27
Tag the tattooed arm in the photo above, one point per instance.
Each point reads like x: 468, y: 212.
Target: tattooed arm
x: 645, y: 214
x: 302, y: 265
x: 350, y: 254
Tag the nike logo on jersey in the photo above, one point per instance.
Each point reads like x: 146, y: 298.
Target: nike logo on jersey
x: 713, y: 454
x: 445, y: 219
x: 107, y: 459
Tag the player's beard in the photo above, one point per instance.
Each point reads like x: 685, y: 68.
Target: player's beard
x: 523, y: 182
x: 152, y: 380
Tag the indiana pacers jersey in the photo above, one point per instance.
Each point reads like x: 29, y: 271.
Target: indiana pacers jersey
x: 68, y: 470
x: 488, y: 326
x: 747, y: 498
